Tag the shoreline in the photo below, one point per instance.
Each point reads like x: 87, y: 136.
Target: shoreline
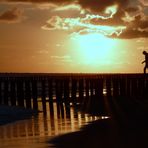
x: 10, y: 114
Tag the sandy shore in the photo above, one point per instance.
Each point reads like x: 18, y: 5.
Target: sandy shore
x: 10, y: 114
x: 104, y: 134
x: 127, y: 128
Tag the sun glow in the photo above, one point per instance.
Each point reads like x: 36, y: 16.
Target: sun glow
x: 96, y: 49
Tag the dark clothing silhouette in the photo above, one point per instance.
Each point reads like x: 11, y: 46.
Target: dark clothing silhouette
x: 145, y: 61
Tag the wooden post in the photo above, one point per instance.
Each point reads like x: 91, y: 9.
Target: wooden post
x: 146, y: 87
x: 123, y: 86
x: 92, y: 86
x: 99, y: 99
x: 13, y: 93
x: 34, y: 94
x: 128, y: 87
x: 50, y: 90
x: 134, y: 87
x: 0, y: 91
x: 140, y: 87
x: 87, y: 99
x: 66, y: 92
x: 20, y: 93
x: 115, y: 87
x: 6, y: 92
x: 87, y: 87
x: 28, y: 93
x: 81, y: 90
x: 58, y: 90
x: 99, y: 87
x: 108, y: 86
x: 74, y: 90
x: 43, y: 95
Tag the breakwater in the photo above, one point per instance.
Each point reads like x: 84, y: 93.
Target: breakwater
x: 27, y: 90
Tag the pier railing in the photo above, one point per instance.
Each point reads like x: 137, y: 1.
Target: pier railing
x: 27, y: 90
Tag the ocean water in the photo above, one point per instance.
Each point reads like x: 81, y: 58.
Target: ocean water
x: 36, y: 131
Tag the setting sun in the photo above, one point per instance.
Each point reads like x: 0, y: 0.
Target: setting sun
x: 96, y: 49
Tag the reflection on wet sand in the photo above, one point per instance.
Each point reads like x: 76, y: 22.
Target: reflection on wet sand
x: 40, y: 128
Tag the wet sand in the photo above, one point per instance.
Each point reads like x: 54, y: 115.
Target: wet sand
x: 11, y: 114
x: 103, y: 134
x: 127, y: 127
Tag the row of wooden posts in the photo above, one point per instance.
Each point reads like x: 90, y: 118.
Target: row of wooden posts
x: 26, y: 90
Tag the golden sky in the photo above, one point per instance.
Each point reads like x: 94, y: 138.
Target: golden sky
x: 83, y: 36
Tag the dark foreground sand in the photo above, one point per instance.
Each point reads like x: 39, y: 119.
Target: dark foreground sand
x: 127, y: 128
x: 105, y: 134
x: 10, y: 114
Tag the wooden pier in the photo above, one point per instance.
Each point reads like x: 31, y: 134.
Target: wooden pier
x: 27, y: 90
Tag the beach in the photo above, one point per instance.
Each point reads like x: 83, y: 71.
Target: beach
x: 11, y: 114
x: 75, y: 110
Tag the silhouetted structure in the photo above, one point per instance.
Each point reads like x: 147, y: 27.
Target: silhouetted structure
x: 27, y: 90
x: 145, y: 61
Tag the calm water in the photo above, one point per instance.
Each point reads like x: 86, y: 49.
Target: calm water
x: 34, y: 132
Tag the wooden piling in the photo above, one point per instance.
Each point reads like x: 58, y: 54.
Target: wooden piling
x: 146, y: 87
x: 134, y: 87
x: 74, y: 90
x: 92, y: 84
x: 50, y: 93
x: 128, y: 87
x: 115, y: 82
x: 28, y: 94
x: 13, y: 93
x: 108, y: 86
x: 87, y: 87
x: 0, y: 91
x: 81, y: 90
x: 66, y: 91
x: 34, y: 94
x: 6, y: 83
x: 122, y: 87
x: 43, y: 95
x: 58, y: 90
x: 20, y: 92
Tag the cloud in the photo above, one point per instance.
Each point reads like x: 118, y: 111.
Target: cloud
x: 137, y: 28
x: 114, y: 18
x: 39, y: 1
x: 144, y: 2
x: 11, y: 16
x: 131, y: 33
x: 101, y: 5
x: 61, y: 59
x: 82, y: 25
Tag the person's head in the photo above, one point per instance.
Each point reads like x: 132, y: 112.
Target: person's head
x: 144, y: 52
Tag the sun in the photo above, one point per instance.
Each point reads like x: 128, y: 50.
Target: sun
x: 96, y: 49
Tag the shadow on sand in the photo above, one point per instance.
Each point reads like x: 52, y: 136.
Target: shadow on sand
x: 127, y: 127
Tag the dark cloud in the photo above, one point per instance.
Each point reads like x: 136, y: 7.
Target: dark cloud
x: 39, y: 1
x: 132, y: 9
x: 11, y: 16
x: 144, y: 2
x: 126, y: 15
x: 140, y: 22
x: 101, y: 5
x: 130, y: 33
x: 94, y: 5
x: 116, y: 20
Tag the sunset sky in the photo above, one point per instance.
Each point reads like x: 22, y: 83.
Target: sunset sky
x: 83, y: 36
